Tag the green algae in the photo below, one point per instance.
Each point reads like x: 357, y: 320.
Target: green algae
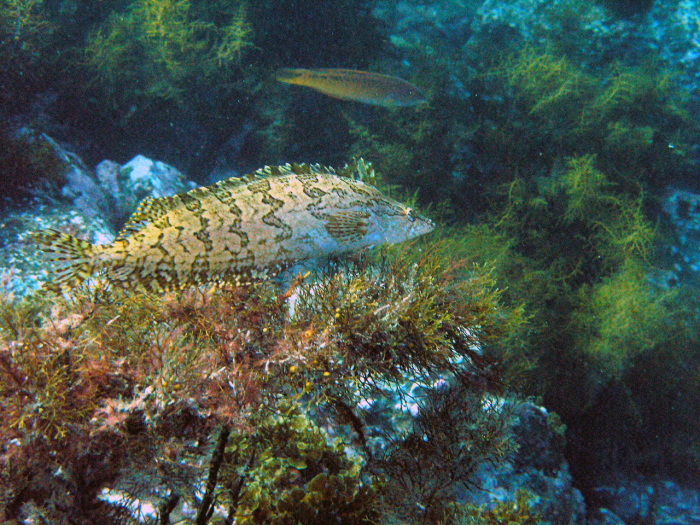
x: 159, y: 46
x: 515, y: 511
x: 622, y: 317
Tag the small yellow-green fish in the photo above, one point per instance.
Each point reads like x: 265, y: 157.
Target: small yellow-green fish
x: 360, y: 86
x: 239, y: 230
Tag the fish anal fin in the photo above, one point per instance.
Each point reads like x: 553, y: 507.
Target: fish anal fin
x: 347, y: 226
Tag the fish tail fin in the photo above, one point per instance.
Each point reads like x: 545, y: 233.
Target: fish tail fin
x: 75, y: 258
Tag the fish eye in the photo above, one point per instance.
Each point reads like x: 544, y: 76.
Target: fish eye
x: 409, y: 215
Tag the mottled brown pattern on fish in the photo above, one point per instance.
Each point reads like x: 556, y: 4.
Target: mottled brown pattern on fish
x: 239, y: 230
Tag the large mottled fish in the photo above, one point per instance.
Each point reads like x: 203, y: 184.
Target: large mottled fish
x: 360, y: 86
x: 239, y: 230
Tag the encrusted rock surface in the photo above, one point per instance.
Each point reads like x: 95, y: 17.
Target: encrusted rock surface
x: 538, y: 466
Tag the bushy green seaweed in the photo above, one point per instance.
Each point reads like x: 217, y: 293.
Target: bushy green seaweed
x: 622, y: 317
x: 159, y: 46
x: 516, y: 511
x: 627, y: 108
x: 21, y: 19
x: 594, y: 245
x: 286, y: 472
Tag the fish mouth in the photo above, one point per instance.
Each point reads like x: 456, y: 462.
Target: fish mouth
x: 426, y: 224
x: 422, y: 227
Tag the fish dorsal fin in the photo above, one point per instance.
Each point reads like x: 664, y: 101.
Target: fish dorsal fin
x: 152, y: 209
x: 360, y: 170
x: 227, y: 184
x: 347, y: 226
x: 292, y: 169
x: 149, y: 210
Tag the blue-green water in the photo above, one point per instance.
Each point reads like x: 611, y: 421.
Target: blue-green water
x: 555, y: 145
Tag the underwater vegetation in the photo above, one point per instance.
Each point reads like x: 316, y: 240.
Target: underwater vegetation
x: 158, y: 47
x: 25, y: 33
x: 307, y: 33
x: 244, y: 401
x: 516, y: 511
x: 547, y: 165
x: 170, y: 71
x: 630, y: 110
x: 551, y: 170
x: 448, y: 420
x: 579, y: 214
x: 21, y: 19
x: 410, y: 150
x: 630, y: 318
x: 594, y: 246
x: 286, y: 472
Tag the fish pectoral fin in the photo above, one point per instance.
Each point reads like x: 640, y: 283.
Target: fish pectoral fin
x: 347, y: 226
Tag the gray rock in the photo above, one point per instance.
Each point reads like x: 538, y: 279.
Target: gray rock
x: 113, y: 192
x: 683, y: 210
x: 142, y: 177
x: 642, y: 501
x: 107, y: 173
x: 85, y: 193
x: 126, y: 186
x: 674, y: 27
x: 603, y: 516
x: 538, y: 466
